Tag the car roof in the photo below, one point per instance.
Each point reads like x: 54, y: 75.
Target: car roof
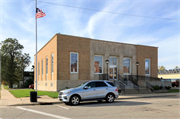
x: 99, y: 80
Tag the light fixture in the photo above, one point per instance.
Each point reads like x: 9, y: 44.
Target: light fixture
x: 137, y: 63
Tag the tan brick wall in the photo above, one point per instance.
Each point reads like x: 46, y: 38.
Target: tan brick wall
x: 61, y: 46
x: 67, y: 44
x: 46, y: 51
x: 146, y: 52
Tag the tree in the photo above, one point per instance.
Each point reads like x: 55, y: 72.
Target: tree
x: 32, y: 68
x: 23, y: 62
x: 10, y: 50
x: 161, y: 68
x: 177, y: 67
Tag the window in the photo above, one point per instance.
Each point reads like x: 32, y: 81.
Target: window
x: 111, y: 83
x: 98, y: 67
x: 38, y: 68
x: 126, y: 66
x: 52, y: 62
x: 147, y: 66
x: 112, y: 61
x: 100, y: 84
x: 46, y: 65
x: 91, y: 85
x: 74, y: 62
x: 51, y: 84
x: 42, y: 67
x: 45, y: 84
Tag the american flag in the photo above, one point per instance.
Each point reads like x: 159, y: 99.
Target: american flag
x: 39, y: 13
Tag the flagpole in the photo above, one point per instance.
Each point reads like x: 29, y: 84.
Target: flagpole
x: 36, y: 42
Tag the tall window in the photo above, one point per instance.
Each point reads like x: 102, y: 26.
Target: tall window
x: 74, y: 62
x: 42, y: 67
x: 98, y: 65
x: 112, y: 61
x: 46, y: 65
x: 52, y: 62
x: 38, y: 68
x: 126, y: 66
x: 147, y: 66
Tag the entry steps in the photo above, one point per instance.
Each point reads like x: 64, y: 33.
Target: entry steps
x: 129, y: 88
x: 134, y: 91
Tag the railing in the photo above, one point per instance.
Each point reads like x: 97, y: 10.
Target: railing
x: 149, y: 86
x: 135, y: 82
x: 122, y: 79
x: 122, y: 86
x: 103, y: 77
x: 145, y: 77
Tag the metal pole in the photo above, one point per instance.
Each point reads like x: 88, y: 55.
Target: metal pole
x: 36, y: 42
x: 137, y: 72
x: 107, y: 71
x: 137, y: 78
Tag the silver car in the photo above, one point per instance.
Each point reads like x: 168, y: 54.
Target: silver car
x: 92, y: 90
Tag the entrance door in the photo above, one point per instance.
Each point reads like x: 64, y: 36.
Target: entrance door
x: 113, y: 72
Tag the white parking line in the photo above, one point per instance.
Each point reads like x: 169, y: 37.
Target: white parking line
x: 63, y: 107
x: 43, y: 113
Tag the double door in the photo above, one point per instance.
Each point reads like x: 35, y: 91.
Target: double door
x: 113, y: 72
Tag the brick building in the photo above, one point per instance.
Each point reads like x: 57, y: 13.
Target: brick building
x: 66, y: 61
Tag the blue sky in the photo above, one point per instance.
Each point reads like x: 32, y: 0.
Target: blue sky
x: 17, y: 20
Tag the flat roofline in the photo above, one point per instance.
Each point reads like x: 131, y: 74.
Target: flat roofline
x: 106, y: 40
x: 91, y: 39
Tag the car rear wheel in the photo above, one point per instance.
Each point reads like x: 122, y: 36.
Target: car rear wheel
x: 110, y: 98
x: 75, y: 100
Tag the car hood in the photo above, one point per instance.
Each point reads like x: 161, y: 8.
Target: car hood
x: 67, y: 90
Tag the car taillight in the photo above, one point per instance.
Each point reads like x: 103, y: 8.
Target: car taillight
x: 116, y: 89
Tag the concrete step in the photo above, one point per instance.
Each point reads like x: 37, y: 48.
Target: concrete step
x: 134, y: 91
x: 129, y: 84
x: 144, y: 91
x: 130, y: 91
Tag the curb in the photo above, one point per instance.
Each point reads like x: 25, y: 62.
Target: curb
x: 147, y: 97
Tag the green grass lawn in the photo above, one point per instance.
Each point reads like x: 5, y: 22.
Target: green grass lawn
x: 173, y: 90
x: 6, y: 87
x: 26, y: 93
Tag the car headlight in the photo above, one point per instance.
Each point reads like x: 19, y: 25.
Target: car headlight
x: 67, y: 92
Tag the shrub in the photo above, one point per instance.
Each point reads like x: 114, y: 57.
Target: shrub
x: 28, y: 82
x: 156, y: 87
x: 161, y: 87
x: 168, y: 87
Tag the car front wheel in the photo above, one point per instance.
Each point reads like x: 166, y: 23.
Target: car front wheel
x: 110, y: 98
x: 75, y: 100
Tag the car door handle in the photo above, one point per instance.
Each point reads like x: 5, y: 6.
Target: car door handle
x: 94, y: 89
x: 106, y: 88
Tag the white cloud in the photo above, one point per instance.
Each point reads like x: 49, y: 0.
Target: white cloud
x: 18, y: 22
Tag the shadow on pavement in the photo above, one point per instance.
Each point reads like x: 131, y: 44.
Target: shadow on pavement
x: 37, y: 103
x: 115, y: 103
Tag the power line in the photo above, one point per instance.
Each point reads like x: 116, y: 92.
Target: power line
x: 107, y: 11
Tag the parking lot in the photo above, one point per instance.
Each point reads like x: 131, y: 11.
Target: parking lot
x: 137, y: 108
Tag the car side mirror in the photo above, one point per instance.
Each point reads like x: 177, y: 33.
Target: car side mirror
x: 85, y: 87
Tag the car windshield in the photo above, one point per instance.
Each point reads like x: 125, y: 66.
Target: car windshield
x: 81, y: 84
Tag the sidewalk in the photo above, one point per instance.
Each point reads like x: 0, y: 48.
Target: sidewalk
x: 7, y: 99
